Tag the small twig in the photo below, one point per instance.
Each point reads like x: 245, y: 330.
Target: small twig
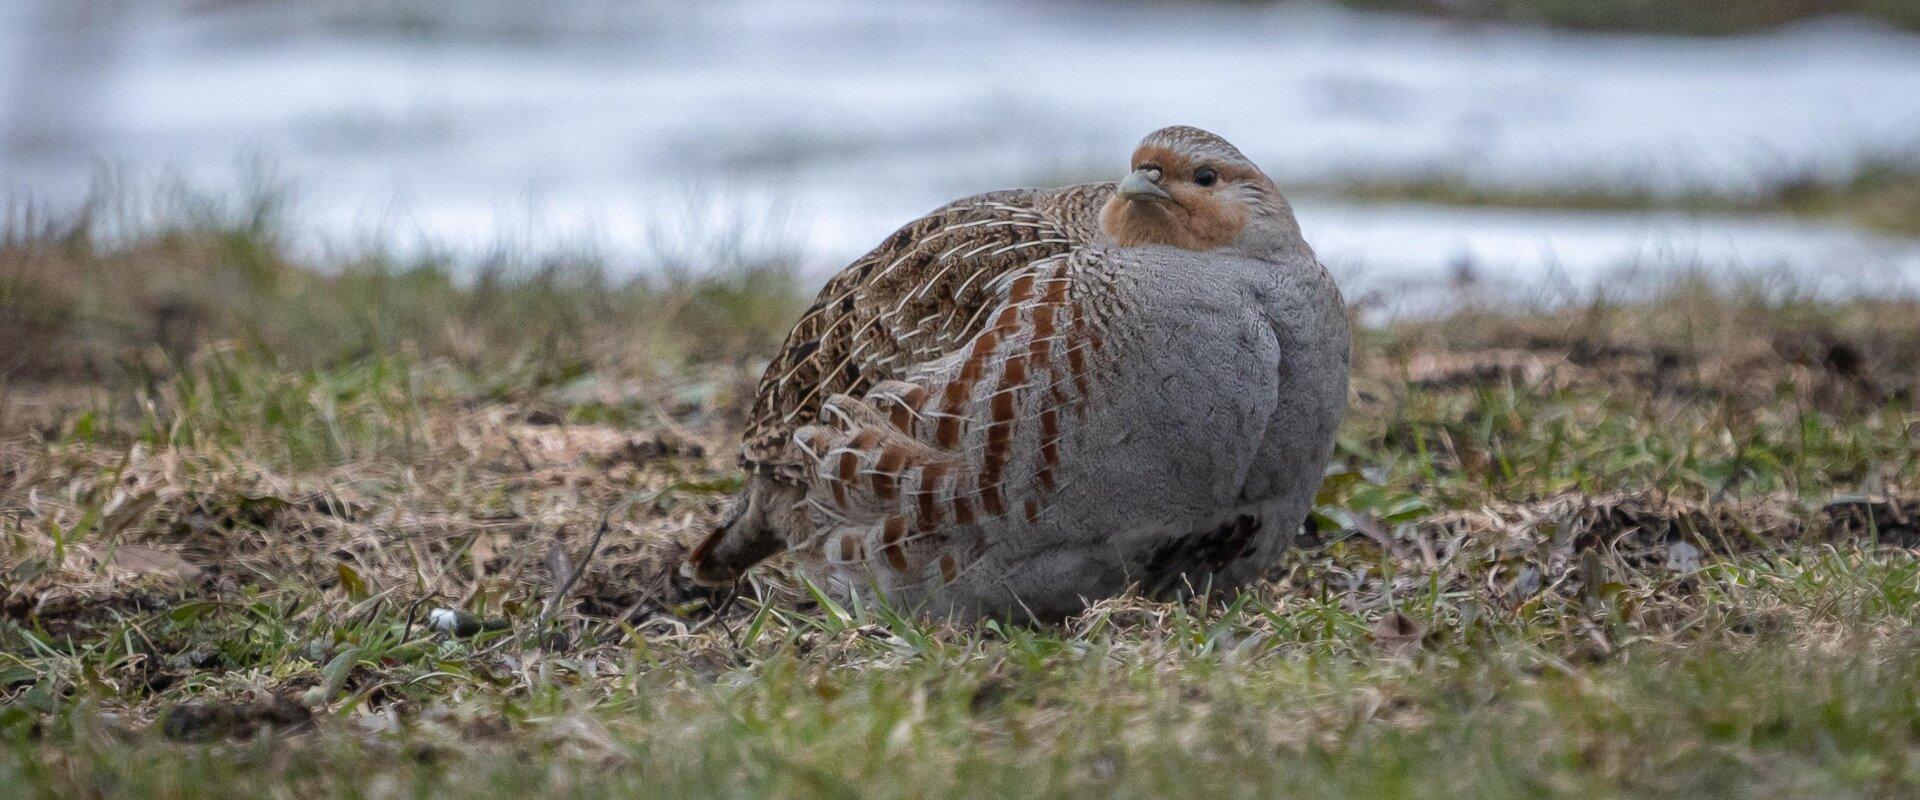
x: 593, y: 546
x: 725, y: 606
x: 412, y: 611
x: 720, y: 611
x: 573, y: 576
x: 520, y: 452
x: 626, y: 616
x: 580, y: 568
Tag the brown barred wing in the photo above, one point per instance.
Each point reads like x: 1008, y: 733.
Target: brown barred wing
x: 920, y: 296
x: 903, y: 479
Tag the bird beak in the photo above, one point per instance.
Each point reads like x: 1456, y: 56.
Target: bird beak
x: 1144, y: 185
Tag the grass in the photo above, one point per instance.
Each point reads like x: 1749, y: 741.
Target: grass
x: 113, y: 289
x: 1881, y: 194
x: 1600, y: 550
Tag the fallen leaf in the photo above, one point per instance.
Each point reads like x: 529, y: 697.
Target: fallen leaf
x: 1397, y: 634
x: 142, y: 560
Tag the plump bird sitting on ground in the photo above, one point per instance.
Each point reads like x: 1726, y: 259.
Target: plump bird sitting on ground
x: 1031, y: 399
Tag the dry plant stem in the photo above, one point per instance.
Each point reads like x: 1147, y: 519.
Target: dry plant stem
x: 565, y: 586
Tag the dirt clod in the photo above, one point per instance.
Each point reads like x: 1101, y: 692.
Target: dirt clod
x: 214, y: 720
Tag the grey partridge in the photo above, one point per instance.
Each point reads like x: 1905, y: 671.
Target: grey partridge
x: 1031, y: 399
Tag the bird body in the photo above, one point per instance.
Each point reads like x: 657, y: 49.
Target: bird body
x: 1030, y: 399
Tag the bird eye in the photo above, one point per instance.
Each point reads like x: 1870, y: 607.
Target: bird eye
x: 1205, y: 177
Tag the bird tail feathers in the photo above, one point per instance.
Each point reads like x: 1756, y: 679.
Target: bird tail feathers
x: 753, y: 530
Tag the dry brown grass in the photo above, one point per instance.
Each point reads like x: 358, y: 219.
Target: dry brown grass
x: 1560, y: 554
x: 466, y: 496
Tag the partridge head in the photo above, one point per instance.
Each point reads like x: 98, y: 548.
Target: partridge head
x: 1190, y: 189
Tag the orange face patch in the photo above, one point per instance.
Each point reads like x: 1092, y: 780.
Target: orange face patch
x: 1196, y: 218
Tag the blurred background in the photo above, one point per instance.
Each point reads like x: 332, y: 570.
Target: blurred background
x: 1503, y: 147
